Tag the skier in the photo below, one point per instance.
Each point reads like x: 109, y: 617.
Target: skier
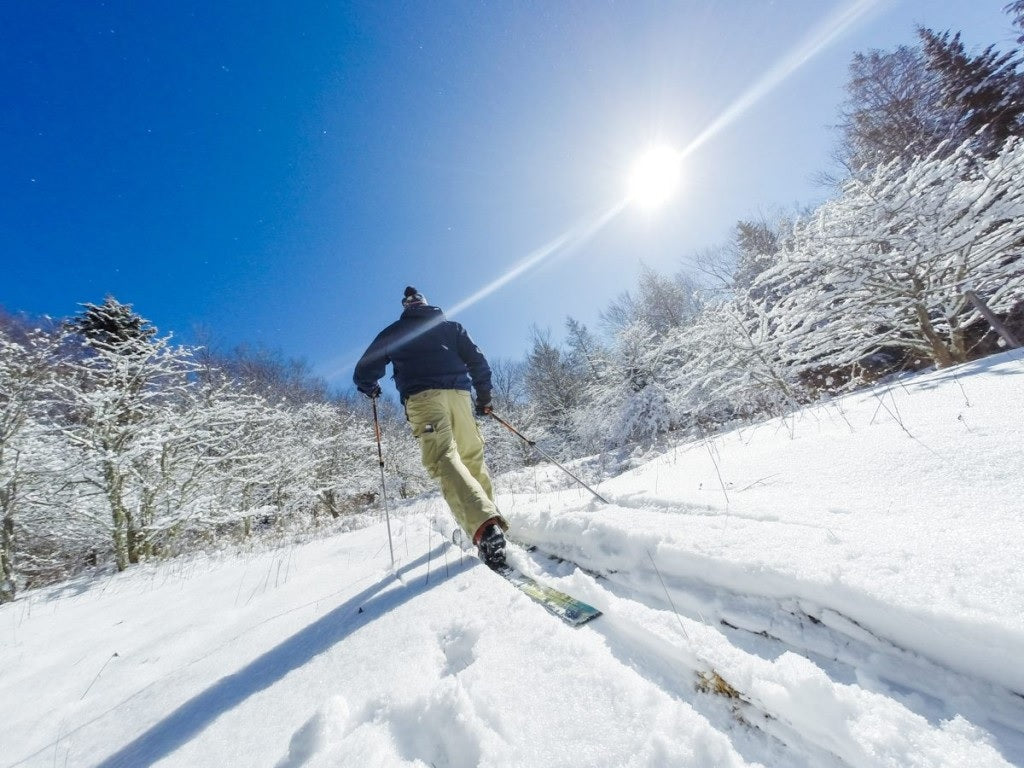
x: 435, y: 362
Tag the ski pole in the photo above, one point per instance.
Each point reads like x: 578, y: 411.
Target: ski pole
x: 383, y: 486
x: 535, y: 447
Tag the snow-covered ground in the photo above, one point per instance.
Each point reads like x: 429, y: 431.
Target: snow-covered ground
x: 840, y: 588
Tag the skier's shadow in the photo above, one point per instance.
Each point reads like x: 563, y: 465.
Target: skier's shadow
x: 198, y: 712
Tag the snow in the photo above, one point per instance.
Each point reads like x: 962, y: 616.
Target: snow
x: 839, y: 588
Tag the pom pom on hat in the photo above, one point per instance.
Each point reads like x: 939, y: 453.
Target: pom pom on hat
x: 412, y: 296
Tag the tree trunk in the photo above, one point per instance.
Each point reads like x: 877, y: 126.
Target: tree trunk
x: 144, y: 525
x: 119, y: 515
x: 990, y: 316
x: 7, y: 582
x: 136, y: 540
x: 957, y: 341
x: 331, y: 503
x: 940, y: 353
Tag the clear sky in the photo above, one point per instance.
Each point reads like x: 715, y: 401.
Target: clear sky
x: 277, y: 172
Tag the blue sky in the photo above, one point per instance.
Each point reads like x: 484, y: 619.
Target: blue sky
x: 276, y: 173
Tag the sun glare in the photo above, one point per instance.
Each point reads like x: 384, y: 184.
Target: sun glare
x: 654, y: 177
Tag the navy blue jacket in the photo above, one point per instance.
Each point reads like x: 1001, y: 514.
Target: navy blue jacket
x: 427, y: 352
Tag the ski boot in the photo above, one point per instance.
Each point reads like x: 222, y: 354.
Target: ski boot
x: 490, y: 543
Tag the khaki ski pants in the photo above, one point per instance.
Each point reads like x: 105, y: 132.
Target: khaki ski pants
x: 453, y: 452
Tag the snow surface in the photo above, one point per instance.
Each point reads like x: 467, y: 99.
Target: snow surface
x: 839, y: 588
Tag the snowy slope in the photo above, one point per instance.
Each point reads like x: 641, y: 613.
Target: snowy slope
x: 837, y: 589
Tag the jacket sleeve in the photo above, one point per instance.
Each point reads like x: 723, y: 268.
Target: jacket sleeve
x: 372, y: 365
x: 479, y: 370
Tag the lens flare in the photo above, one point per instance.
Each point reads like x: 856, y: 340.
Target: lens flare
x: 820, y: 38
x: 575, y: 236
x: 655, y: 176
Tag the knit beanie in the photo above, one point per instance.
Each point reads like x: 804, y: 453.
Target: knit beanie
x: 412, y: 296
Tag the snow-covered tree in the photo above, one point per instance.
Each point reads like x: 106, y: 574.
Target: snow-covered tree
x: 661, y: 302
x: 983, y: 93
x: 196, y: 442
x: 328, y: 459
x: 555, y: 387
x: 886, y: 264
x: 116, y: 390
x: 1016, y: 11
x: 755, y: 244
x: 504, y: 451
x: 908, y: 102
x: 629, y: 403
x: 892, y: 110
x: 728, y: 367
x: 48, y: 529
x: 267, y: 373
x: 25, y: 370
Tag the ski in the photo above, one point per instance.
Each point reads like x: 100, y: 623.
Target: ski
x: 569, y: 609
x: 566, y: 607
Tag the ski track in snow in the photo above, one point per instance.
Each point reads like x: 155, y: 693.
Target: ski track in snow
x: 693, y: 640
x: 805, y: 611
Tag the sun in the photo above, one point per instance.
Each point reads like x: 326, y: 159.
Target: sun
x: 654, y: 177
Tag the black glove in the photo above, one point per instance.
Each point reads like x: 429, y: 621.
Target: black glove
x: 483, y: 403
x: 374, y: 393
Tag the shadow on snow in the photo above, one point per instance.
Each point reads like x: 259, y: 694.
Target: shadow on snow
x: 181, y: 725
